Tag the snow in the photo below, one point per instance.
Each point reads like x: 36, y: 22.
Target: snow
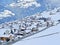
x: 2, y: 31
x: 54, y: 39
x: 4, y: 35
x: 55, y: 15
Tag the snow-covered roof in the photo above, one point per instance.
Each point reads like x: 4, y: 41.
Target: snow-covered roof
x: 4, y: 35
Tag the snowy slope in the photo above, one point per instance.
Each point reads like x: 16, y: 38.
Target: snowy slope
x: 49, y: 40
x: 54, y: 15
x: 53, y: 39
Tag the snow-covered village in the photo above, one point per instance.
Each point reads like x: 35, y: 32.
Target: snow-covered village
x: 39, y: 28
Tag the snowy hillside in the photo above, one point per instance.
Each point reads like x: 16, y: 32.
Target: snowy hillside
x: 49, y: 40
x: 46, y: 22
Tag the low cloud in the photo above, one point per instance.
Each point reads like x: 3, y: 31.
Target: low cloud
x: 6, y: 13
x: 25, y: 3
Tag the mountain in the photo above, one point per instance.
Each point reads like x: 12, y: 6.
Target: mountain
x: 51, y: 34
